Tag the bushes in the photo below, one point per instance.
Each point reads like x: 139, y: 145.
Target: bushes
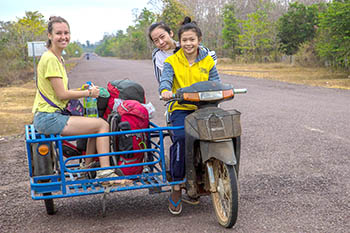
x: 333, y: 43
x: 307, y: 55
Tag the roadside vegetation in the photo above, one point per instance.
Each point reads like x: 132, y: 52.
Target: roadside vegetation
x: 16, y: 102
x: 310, y: 33
x: 16, y: 67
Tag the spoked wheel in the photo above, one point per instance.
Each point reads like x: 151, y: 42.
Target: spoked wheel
x: 225, y: 199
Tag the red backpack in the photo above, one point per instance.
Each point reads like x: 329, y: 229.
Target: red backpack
x: 130, y: 115
x: 126, y: 90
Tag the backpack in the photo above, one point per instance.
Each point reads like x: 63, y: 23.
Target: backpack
x: 123, y: 89
x: 130, y: 115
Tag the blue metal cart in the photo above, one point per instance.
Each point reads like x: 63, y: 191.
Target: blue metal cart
x: 52, y: 175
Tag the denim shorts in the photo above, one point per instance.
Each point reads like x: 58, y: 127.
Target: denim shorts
x: 50, y: 122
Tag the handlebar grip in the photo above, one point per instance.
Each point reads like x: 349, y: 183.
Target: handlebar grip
x: 240, y: 91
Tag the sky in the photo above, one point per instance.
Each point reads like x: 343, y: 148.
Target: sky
x: 88, y: 19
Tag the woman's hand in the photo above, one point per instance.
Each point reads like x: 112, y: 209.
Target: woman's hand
x: 167, y: 95
x: 94, y: 91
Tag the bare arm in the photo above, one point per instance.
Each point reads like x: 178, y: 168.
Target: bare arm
x: 63, y: 94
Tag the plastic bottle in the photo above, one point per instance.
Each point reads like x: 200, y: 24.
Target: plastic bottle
x: 90, y: 104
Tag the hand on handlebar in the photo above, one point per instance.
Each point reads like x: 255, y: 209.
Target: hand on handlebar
x: 167, y: 95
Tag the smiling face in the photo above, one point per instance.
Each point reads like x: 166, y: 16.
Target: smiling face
x: 162, y: 39
x: 60, y: 36
x: 189, y: 42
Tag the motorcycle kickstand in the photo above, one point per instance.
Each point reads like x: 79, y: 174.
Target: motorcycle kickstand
x: 104, y: 200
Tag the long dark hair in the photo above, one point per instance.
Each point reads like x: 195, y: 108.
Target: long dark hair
x: 52, y: 20
x: 188, y: 25
x: 161, y: 25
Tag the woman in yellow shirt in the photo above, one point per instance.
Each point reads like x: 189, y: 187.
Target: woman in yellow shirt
x: 189, y: 65
x: 53, y: 84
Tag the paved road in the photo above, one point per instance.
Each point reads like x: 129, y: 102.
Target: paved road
x: 294, y: 166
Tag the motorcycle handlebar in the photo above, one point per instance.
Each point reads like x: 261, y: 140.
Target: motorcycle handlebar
x: 235, y: 91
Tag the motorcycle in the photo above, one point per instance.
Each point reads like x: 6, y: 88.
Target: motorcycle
x: 213, y: 144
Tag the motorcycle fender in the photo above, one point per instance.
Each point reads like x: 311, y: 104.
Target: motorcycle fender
x: 221, y: 150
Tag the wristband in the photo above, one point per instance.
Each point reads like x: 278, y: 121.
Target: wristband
x: 90, y: 92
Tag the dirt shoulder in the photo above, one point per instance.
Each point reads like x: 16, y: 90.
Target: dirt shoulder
x: 312, y: 76
x: 16, y: 105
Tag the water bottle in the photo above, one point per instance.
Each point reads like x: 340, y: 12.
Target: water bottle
x: 90, y: 104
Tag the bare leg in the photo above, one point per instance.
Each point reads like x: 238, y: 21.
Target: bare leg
x: 90, y: 149
x: 85, y: 125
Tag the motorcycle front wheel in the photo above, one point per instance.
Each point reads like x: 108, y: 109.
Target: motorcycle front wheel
x: 225, y: 199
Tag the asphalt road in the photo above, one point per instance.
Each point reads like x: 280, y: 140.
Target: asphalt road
x: 294, y: 174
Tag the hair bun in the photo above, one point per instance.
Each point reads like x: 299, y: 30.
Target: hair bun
x: 186, y: 20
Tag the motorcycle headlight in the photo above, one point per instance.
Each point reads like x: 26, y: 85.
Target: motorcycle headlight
x: 208, y: 95
x: 211, y: 95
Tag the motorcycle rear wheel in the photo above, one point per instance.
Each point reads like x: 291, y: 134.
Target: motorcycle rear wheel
x: 225, y: 199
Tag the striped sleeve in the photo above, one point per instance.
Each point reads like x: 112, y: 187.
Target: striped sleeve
x: 157, y: 70
x: 214, y: 75
x: 167, y: 78
x: 212, y: 53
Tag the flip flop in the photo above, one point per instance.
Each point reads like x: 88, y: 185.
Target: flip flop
x: 190, y: 200
x: 173, y: 205
x: 121, y: 183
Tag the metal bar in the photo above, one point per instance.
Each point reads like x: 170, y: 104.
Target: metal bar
x: 101, y: 190
x: 62, y: 167
x: 72, y: 138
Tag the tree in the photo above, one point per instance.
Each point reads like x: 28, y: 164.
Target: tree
x: 230, y: 31
x: 173, y: 14
x: 13, y: 44
x: 255, y: 39
x: 334, y: 34
x: 73, y: 50
x: 30, y: 28
x: 134, y: 43
x: 297, y: 26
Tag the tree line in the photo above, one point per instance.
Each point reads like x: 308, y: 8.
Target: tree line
x: 312, y: 32
x: 15, y: 65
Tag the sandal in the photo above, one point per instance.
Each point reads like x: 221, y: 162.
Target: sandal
x: 175, y: 208
x: 109, y: 174
x: 191, y: 200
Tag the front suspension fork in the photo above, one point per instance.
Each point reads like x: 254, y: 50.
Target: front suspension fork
x: 211, y: 176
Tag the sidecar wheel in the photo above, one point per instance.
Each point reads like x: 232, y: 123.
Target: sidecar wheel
x: 225, y: 199
x: 49, y: 205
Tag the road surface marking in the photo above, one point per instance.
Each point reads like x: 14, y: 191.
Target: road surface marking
x: 330, y: 134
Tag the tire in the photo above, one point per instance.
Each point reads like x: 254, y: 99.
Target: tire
x: 49, y: 205
x: 225, y: 199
